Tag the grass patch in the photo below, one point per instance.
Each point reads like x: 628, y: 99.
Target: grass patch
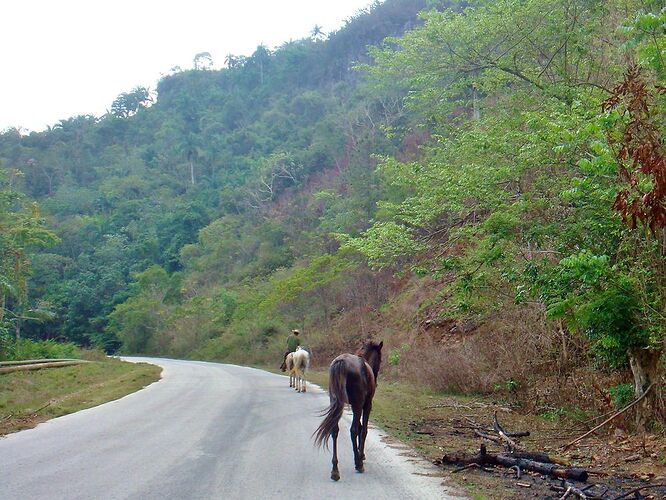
x: 28, y: 398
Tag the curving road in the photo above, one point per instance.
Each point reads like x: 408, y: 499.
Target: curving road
x: 206, y: 430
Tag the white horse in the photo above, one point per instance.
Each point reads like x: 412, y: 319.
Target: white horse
x: 289, y: 361
x: 301, y: 359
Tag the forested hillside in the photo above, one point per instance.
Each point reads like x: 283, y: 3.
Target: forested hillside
x: 484, y: 189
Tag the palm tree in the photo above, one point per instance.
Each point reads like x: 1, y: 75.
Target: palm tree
x: 317, y: 32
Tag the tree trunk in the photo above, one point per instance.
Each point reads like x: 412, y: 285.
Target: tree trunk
x: 192, y: 172
x: 644, y: 365
x: 17, y: 308
x: 565, y: 350
x: 476, y: 113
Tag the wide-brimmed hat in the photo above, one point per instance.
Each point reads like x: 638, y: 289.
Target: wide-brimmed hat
x: 295, y: 331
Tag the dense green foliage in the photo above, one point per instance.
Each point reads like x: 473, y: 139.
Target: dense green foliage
x: 288, y: 189
x: 44, y: 349
x: 21, y: 230
x: 518, y: 182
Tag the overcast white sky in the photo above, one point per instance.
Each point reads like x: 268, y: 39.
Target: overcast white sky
x: 62, y: 58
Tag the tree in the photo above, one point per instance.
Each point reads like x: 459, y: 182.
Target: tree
x: 551, y: 46
x: 260, y: 58
x: 203, y: 61
x: 636, y: 139
x: 317, y: 33
x: 279, y: 171
x: 22, y: 229
x: 232, y: 61
x: 138, y: 320
x: 129, y: 103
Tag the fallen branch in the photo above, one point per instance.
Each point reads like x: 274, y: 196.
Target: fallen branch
x: 614, y: 416
x: 518, y: 434
x: 39, y: 366
x: 636, y: 490
x: 571, y: 489
x: 464, y: 467
x: 518, y: 471
x: 554, y: 470
x: 43, y: 407
x: 539, y: 457
x: 34, y: 361
x: 483, y: 435
x: 510, y: 443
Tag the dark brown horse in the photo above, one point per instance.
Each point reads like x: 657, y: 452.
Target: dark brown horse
x: 352, y: 378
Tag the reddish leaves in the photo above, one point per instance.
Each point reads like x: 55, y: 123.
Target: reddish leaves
x: 639, y: 152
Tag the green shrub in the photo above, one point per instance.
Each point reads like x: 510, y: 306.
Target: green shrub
x: 621, y: 394
x: 6, y: 344
x: 45, y: 349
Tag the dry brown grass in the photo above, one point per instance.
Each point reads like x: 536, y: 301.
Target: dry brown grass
x: 514, y: 353
x: 509, y: 352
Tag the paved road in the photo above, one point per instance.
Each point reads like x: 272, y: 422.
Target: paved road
x: 206, y: 430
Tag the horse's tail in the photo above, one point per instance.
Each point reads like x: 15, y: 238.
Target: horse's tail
x: 337, y: 389
x: 306, y: 361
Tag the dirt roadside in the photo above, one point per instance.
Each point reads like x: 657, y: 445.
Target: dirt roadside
x: 437, y: 424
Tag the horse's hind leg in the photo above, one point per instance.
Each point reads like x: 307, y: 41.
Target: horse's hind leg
x: 355, y: 434
x: 364, y: 428
x: 335, y: 473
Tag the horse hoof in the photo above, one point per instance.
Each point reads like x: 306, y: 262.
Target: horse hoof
x: 360, y: 469
x: 335, y: 476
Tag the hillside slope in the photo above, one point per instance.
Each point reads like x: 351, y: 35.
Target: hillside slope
x: 486, y: 196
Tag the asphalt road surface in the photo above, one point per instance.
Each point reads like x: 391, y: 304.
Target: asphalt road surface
x: 206, y: 430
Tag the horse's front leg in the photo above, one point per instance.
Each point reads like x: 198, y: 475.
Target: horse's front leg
x: 355, y: 433
x: 335, y: 473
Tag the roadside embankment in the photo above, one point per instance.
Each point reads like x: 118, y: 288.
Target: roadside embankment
x: 29, y: 397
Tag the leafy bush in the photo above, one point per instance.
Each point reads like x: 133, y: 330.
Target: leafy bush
x: 6, y: 343
x: 45, y: 349
x: 621, y: 394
